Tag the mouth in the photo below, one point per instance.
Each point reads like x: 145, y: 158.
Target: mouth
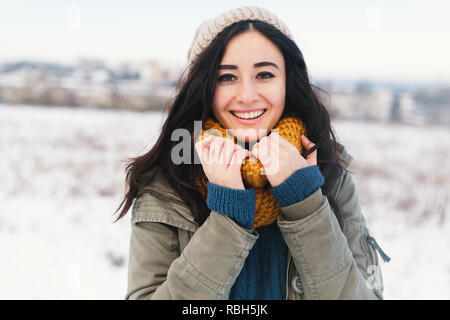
x: 249, y: 117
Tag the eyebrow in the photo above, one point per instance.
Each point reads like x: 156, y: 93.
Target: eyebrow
x: 256, y: 65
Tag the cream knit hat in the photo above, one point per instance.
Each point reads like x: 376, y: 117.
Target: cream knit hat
x: 209, y: 29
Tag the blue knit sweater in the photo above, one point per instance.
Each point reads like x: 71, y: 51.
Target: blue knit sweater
x: 263, y: 275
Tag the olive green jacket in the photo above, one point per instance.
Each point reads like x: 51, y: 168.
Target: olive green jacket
x: 171, y: 257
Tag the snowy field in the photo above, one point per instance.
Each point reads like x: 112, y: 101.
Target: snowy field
x: 61, y: 179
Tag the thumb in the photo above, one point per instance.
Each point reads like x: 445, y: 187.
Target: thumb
x: 239, y: 155
x: 311, y: 151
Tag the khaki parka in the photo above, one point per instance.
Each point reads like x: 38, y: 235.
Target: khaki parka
x: 171, y: 257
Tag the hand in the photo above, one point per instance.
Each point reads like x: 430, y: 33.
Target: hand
x: 221, y: 159
x: 280, y: 158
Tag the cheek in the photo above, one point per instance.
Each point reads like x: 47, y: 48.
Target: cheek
x: 276, y: 96
x: 221, y: 100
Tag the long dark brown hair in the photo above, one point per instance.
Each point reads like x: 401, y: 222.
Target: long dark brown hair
x: 193, y: 102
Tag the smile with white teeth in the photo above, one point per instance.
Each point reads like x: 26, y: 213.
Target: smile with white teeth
x: 248, y: 115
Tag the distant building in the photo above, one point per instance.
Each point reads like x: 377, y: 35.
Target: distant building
x: 396, y: 108
x: 151, y: 73
x: 409, y: 111
x: 374, y: 104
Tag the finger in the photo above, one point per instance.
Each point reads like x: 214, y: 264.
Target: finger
x: 227, y: 151
x: 215, y: 149
x: 238, y: 157
x: 267, y: 145
x: 311, y: 157
x: 270, y: 146
x: 201, y: 142
x: 282, y: 141
x: 244, y: 153
x: 306, y: 142
x: 208, y: 151
x: 205, y: 141
x: 238, y: 150
x: 263, y: 142
x: 274, y: 157
x: 274, y: 152
x: 220, y: 150
x: 202, y: 152
x: 275, y: 142
x: 259, y: 151
x: 205, y: 156
x: 202, y: 148
x: 199, y: 149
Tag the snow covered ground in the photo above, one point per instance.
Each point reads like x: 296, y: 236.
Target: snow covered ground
x: 61, y: 179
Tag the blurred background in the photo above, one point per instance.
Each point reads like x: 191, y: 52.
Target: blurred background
x: 83, y: 85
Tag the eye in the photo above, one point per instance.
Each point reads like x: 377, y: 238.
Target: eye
x: 225, y: 77
x: 229, y: 77
x: 266, y: 75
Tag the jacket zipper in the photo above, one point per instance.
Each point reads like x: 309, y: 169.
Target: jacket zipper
x: 289, y: 270
x: 375, y: 245
x: 290, y: 275
x: 287, y: 275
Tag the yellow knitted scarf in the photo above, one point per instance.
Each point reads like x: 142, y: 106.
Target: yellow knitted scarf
x: 267, y: 208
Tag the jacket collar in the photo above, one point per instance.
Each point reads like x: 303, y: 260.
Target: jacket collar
x: 157, y: 185
x: 344, y: 155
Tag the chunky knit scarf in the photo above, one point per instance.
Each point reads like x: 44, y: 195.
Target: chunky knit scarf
x: 267, y: 209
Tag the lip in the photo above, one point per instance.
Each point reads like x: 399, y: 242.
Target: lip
x: 249, y: 110
x: 249, y: 121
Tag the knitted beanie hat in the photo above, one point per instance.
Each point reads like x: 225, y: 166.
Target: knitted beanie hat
x: 209, y: 29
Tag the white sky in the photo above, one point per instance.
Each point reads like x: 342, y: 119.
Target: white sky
x: 381, y: 40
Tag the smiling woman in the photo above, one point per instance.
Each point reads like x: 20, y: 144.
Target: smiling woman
x: 281, y: 227
x: 250, y: 95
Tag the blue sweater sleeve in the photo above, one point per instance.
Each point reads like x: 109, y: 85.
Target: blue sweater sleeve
x: 301, y: 184
x: 234, y: 203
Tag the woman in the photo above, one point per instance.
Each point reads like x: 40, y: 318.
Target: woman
x: 256, y: 217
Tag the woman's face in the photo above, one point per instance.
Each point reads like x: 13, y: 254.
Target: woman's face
x: 251, y: 80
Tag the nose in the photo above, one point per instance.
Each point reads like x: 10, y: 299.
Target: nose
x: 247, y: 93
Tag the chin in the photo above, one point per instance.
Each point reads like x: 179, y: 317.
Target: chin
x: 247, y: 134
